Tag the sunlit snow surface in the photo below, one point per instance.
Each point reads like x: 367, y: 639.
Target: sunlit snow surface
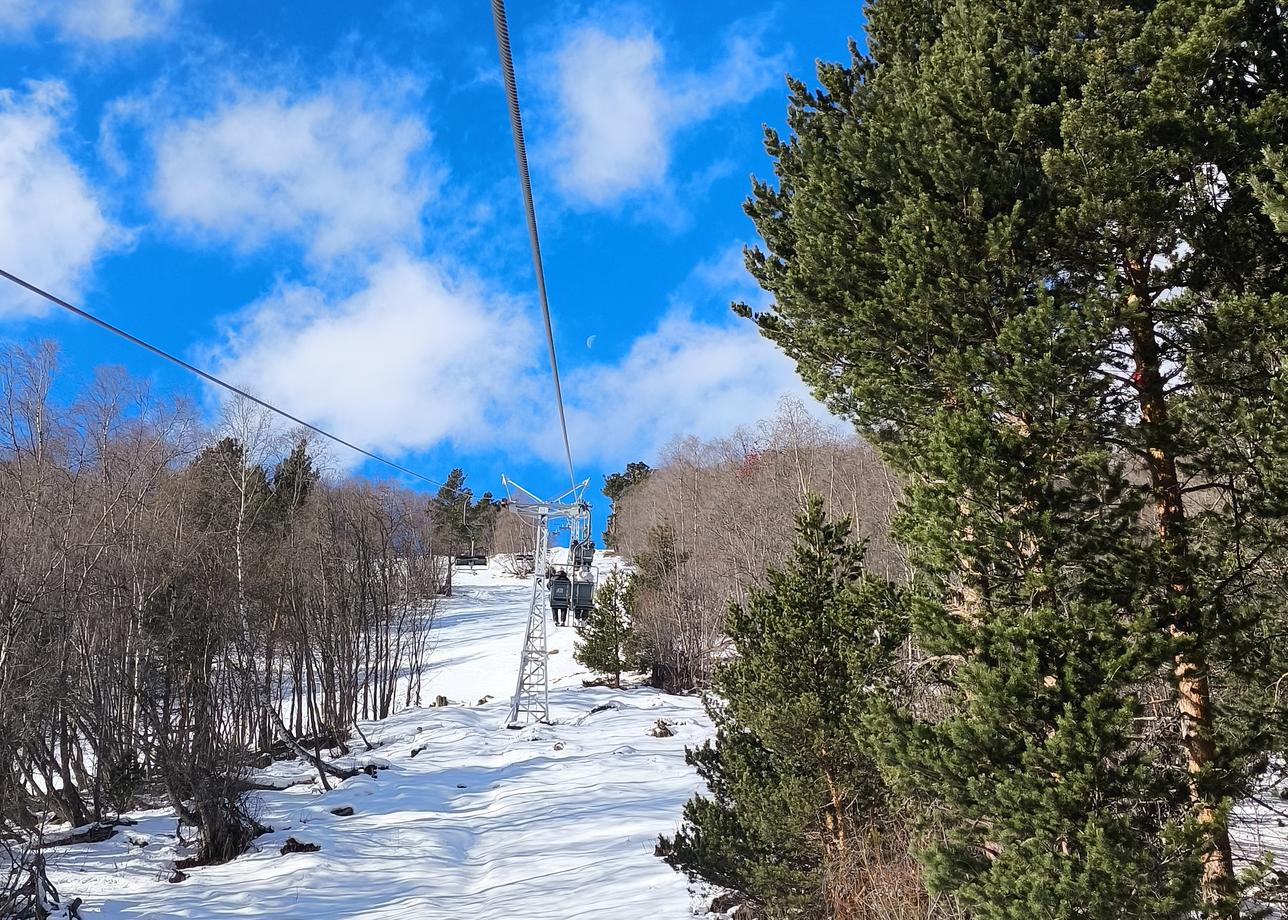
x: 552, y: 821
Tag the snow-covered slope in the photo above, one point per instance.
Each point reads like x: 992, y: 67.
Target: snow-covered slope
x: 469, y: 819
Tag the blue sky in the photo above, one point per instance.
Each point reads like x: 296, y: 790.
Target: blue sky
x: 318, y: 200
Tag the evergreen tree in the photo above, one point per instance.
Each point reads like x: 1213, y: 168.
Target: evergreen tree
x: 482, y: 522
x: 616, y: 485
x: 214, y: 473
x: 462, y: 521
x: 1028, y: 249
x: 450, y: 508
x: 293, y: 481
x: 608, y: 645
x: 793, y: 787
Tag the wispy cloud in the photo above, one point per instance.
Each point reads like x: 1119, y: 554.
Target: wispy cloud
x: 620, y: 104
x: 686, y: 377
x: 96, y: 21
x: 690, y: 375
x: 52, y: 225
x: 342, y: 170
x: 419, y: 357
x: 415, y: 357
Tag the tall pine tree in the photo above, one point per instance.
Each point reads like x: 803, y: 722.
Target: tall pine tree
x: 1028, y: 249
x: 794, y: 793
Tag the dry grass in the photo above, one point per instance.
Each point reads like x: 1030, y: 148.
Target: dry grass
x: 876, y: 877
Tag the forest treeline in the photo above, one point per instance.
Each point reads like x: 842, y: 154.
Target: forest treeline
x: 176, y: 600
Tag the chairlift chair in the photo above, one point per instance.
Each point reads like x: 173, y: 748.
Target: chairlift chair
x: 583, y: 594
x: 582, y: 553
x: 561, y: 595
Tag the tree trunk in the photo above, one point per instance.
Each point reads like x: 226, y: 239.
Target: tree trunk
x: 1190, y: 668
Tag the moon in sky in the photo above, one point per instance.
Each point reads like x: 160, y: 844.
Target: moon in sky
x: 590, y: 341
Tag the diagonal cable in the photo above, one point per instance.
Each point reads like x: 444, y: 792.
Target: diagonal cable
x: 521, y: 160
x: 211, y: 378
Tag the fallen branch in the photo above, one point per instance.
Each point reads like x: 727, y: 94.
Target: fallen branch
x: 305, y: 754
x: 358, y: 729
x: 273, y: 784
x: 90, y: 833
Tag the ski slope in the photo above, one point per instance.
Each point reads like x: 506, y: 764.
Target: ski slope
x: 468, y: 819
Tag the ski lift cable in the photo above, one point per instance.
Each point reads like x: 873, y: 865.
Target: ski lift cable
x: 217, y: 381
x: 521, y: 161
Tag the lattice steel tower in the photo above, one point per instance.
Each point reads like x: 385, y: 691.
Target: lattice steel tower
x: 531, y: 701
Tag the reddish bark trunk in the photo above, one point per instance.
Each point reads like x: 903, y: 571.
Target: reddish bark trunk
x: 1190, y: 668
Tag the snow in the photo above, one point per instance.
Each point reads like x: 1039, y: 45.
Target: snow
x: 469, y: 819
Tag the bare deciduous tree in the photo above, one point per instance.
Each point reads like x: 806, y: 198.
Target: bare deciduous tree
x: 173, y: 601
x: 708, y: 522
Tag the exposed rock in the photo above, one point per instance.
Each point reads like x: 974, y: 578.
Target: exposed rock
x: 485, y: 699
x: 727, y: 905
x: 661, y: 730
x: 344, y: 811
x: 178, y: 876
x: 90, y: 833
x: 295, y: 846
x: 440, y: 700
x: 559, y: 745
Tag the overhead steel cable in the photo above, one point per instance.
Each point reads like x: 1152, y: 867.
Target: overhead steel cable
x: 211, y: 378
x: 521, y: 160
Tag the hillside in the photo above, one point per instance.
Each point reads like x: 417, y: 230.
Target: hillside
x: 466, y: 818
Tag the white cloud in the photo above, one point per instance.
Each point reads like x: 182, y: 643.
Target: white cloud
x: 726, y: 274
x: 340, y: 171
x: 88, y: 20
x: 417, y: 357
x: 412, y: 359
x: 686, y: 377
x: 620, y: 106
x: 52, y: 226
x: 613, y: 136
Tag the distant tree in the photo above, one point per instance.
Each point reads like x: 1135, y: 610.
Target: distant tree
x: 463, y: 522
x: 293, y: 480
x: 679, y: 646
x: 450, y: 509
x: 616, y: 486
x: 794, y: 790
x: 608, y: 643
x: 514, y: 541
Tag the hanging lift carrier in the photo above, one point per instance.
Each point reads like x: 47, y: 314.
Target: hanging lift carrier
x: 531, y: 702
